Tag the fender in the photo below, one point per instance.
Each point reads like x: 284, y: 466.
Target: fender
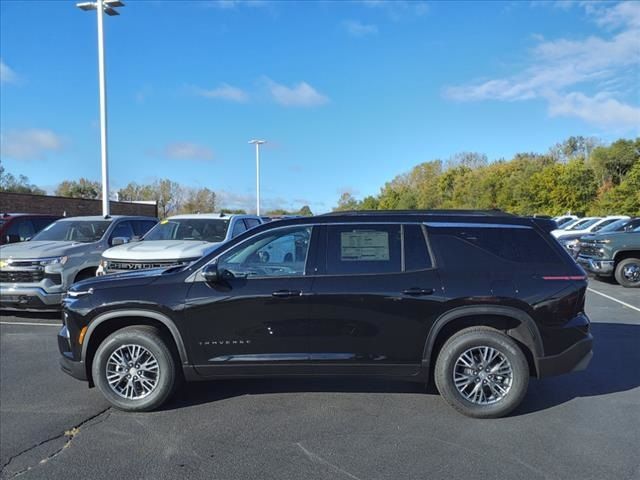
x: 165, y: 320
x: 526, y: 332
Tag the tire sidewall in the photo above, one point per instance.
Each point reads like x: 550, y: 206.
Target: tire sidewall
x: 620, y: 277
x: 456, y: 346
x: 166, y: 367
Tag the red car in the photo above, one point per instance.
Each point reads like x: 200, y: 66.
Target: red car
x: 19, y: 227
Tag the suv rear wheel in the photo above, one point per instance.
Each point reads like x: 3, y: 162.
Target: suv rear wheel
x: 482, y: 373
x: 628, y: 272
x: 135, y: 369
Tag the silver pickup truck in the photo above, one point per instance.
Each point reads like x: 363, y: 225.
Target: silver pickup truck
x: 35, y: 274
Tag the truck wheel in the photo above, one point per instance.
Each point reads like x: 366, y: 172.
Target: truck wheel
x: 628, y: 272
x: 482, y: 373
x: 135, y: 369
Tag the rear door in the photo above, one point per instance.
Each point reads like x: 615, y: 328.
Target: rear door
x: 376, y: 292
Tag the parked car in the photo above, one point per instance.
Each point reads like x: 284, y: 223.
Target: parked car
x: 592, y: 226
x: 20, y: 227
x: 34, y: 275
x: 614, y: 254
x: 572, y: 242
x: 178, y: 240
x: 481, y: 302
x: 564, y: 220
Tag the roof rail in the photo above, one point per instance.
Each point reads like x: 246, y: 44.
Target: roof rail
x: 480, y: 213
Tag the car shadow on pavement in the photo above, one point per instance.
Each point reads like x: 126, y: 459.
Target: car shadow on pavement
x: 29, y: 316
x: 614, y: 368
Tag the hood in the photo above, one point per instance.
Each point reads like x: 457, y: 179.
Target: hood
x: 126, y: 279
x: 159, y: 250
x: 39, y: 249
x: 610, y: 235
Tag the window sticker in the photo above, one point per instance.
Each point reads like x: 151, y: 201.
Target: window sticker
x: 364, y: 245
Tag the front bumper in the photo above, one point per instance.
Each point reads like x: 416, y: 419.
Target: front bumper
x: 68, y: 365
x: 599, y: 267
x: 29, y: 298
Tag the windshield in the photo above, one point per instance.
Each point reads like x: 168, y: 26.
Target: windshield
x: 581, y: 225
x: 566, y: 222
x: 83, y: 231
x: 616, y: 226
x: 206, y: 230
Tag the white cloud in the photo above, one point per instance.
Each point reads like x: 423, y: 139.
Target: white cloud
x: 359, y: 29
x: 7, y: 75
x: 29, y: 144
x: 224, y: 92
x: 187, y: 151
x: 604, y: 65
x: 599, y: 110
x: 299, y: 95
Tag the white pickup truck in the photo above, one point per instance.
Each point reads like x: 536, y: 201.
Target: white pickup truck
x: 177, y: 240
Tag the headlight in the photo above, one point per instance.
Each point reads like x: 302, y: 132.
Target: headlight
x: 602, y: 242
x: 54, y: 261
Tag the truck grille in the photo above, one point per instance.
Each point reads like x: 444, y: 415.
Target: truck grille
x: 124, y: 265
x: 21, y: 276
x: 589, y: 250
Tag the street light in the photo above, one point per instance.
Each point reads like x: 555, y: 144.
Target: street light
x: 108, y: 7
x: 257, y: 143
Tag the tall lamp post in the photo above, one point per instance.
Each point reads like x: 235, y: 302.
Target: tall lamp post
x: 108, y: 7
x: 257, y: 143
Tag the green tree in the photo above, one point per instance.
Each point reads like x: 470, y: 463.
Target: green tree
x: 613, y: 162
x: 82, y: 188
x: 346, y: 202
x: 20, y: 184
x: 231, y: 211
x: 201, y: 200
x: 305, y: 211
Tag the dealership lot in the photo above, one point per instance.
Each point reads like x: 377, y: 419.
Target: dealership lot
x: 584, y: 425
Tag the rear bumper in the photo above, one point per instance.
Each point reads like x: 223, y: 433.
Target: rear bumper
x: 599, y: 267
x: 573, y: 359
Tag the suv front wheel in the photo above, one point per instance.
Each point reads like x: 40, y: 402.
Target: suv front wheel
x: 135, y: 369
x: 482, y: 373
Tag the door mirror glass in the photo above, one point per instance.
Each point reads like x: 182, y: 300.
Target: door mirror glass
x: 210, y: 273
x: 119, y: 241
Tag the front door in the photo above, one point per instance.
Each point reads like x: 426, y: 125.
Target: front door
x: 375, y: 298
x: 257, y: 312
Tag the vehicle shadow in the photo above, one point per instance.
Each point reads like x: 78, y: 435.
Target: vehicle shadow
x: 614, y: 368
x: 33, y: 316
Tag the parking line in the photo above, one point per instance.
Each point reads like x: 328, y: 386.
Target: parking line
x: 614, y: 299
x: 32, y: 323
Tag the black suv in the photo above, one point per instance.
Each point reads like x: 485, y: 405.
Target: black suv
x: 478, y: 301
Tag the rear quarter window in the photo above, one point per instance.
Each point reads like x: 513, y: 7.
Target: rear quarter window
x: 476, y: 248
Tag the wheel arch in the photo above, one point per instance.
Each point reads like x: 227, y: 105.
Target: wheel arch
x: 105, y: 324
x: 516, y: 323
x: 628, y: 253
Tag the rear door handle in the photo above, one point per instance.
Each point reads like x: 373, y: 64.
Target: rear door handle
x: 416, y: 292
x: 286, y: 293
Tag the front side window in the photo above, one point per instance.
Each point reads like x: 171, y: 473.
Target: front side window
x: 206, y: 230
x: 82, y: 231
x: 123, y: 230
x: 363, y: 249
x: 282, y: 252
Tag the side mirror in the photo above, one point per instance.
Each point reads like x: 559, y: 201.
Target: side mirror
x: 119, y: 241
x: 210, y: 273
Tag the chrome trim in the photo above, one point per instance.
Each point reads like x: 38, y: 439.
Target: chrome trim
x: 476, y: 225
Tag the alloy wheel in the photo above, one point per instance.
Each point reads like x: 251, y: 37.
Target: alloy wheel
x: 132, y: 372
x: 483, y: 375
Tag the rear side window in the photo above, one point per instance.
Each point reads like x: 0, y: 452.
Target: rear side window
x: 462, y: 248
x: 363, y: 249
x: 416, y: 253
x: 251, y: 222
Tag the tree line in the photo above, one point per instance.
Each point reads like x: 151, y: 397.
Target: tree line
x: 171, y: 197
x: 579, y: 176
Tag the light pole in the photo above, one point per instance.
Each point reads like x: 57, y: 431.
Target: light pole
x: 257, y: 143
x: 108, y: 7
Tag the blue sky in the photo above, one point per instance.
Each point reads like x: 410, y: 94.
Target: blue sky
x: 348, y: 94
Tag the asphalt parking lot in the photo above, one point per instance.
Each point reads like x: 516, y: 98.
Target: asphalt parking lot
x: 584, y: 426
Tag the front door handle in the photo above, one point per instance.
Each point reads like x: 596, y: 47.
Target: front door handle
x: 417, y: 292
x: 286, y: 293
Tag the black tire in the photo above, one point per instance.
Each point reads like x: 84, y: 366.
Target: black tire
x: 623, y: 267
x: 467, y: 339
x: 152, y: 340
